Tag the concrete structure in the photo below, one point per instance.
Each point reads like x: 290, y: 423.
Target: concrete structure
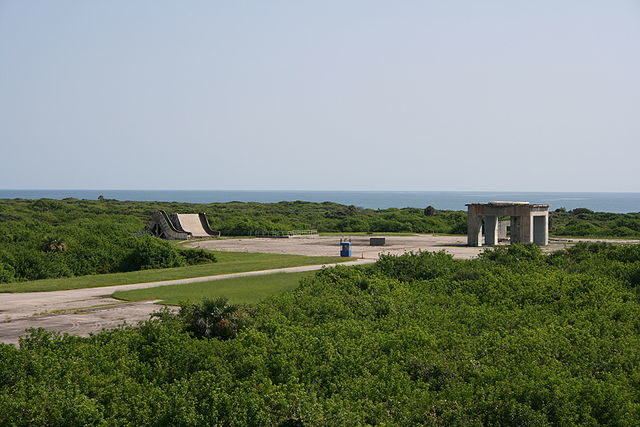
x: 181, y: 226
x: 504, y: 231
x: 377, y: 241
x: 529, y: 222
x: 162, y: 226
x: 196, y: 224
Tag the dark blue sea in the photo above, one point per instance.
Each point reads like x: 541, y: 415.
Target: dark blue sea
x: 454, y: 200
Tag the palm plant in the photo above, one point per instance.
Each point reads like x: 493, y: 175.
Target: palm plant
x: 212, y: 318
x: 53, y: 244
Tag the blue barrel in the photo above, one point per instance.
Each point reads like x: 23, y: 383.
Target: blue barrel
x: 345, y: 249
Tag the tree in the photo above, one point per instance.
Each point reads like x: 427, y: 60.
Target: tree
x: 7, y: 273
x: 53, y: 244
x: 212, y: 318
x: 150, y: 252
x: 430, y: 211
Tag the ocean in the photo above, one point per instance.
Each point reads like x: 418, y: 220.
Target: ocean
x: 451, y: 200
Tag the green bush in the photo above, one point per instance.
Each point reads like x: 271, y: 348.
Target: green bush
x: 514, y: 338
x: 212, y: 318
x: 513, y: 254
x: 197, y: 256
x: 416, y: 266
x: 7, y: 273
x: 34, y: 264
x: 149, y: 252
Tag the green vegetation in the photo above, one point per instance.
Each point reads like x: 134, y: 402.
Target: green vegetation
x: 45, y: 239
x: 245, y: 290
x: 213, y: 318
x: 513, y: 338
x: 583, y: 222
x: 228, y: 262
x: 49, y: 239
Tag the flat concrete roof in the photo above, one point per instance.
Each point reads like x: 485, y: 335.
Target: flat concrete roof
x: 507, y: 204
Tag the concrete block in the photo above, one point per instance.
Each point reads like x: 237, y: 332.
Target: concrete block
x: 377, y: 241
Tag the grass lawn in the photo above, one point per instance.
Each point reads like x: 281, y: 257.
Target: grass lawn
x: 228, y: 262
x: 247, y: 290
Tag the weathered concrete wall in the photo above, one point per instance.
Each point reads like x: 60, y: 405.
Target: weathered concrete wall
x: 206, y: 227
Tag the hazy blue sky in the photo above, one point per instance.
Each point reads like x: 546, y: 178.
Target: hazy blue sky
x: 351, y: 95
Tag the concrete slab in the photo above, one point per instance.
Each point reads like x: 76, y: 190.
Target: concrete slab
x: 330, y: 246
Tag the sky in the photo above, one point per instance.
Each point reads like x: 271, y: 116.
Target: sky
x: 325, y: 95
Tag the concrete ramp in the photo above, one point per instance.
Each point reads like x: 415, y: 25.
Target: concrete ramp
x: 191, y: 224
x: 196, y: 224
x: 181, y: 226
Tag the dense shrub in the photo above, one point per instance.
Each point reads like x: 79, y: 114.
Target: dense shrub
x: 149, y: 252
x: 418, y: 339
x: 53, y: 244
x: 584, y: 222
x: 513, y: 254
x: 212, y: 318
x: 416, y: 266
x: 7, y: 273
x: 197, y: 256
x: 35, y: 264
x: 94, y: 237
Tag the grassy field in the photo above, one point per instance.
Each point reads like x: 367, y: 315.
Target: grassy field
x: 247, y: 290
x: 228, y: 262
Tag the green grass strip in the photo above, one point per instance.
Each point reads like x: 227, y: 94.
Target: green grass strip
x: 239, y: 290
x: 228, y: 262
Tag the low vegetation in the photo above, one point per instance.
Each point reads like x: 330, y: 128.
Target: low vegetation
x: 238, y: 290
x: 584, y: 222
x: 228, y: 262
x: 48, y: 239
x: 513, y: 338
x: 45, y: 239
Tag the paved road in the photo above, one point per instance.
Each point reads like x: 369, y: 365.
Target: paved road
x: 86, y: 311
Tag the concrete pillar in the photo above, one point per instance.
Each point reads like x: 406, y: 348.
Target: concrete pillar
x: 503, y: 229
x: 541, y: 230
x: 474, y: 228
x: 516, y: 229
x: 490, y: 230
x: 526, y: 229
